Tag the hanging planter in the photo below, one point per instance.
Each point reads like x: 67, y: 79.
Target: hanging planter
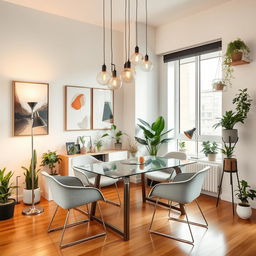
x: 218, y: 85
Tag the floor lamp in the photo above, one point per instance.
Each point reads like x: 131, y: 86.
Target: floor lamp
x: 189, y: 134
x: 36, y: 121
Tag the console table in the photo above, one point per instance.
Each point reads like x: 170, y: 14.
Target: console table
x: 105, y: 155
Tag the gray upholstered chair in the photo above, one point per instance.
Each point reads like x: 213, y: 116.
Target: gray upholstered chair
x: 165, y: 175
x: 88, y: 178
x: 184, y: 189
x: 69, y: 193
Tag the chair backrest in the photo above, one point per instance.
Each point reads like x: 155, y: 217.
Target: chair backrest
x: 181, y: 191
x: 70, y: 196
x: 83, y: 160
x: 176, y: 155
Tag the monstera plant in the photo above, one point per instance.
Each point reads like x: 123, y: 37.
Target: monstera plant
x: 154, y: 135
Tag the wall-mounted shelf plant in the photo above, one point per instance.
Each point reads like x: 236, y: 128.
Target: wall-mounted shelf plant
x: 239, y: 62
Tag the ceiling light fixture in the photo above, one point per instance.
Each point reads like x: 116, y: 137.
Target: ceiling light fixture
x: 136, y: 57
x: 115, y: 81
x: 146, y: 64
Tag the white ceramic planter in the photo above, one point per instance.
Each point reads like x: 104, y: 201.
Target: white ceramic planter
x: 212, y: 157
x: 230, y: 134
x: 244, y: 212
x: 27, y: 196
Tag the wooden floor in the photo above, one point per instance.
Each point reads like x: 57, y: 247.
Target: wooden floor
x: 227, y: 235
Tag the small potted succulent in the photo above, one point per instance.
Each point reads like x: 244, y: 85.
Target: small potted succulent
x: 230, y: 163
x: 210, y: 150
x: 7, y: 204
x: 244, y: 193
x: 50, y: 159
x: 116, y: 135
x: 98, y: 143
x: 182, y: 146
x: 27, y: 191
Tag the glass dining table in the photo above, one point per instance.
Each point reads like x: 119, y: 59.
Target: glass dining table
x: 124, y: 170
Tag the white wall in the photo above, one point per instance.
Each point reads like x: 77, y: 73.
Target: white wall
x: 227, y: 21
x: 36, y: 46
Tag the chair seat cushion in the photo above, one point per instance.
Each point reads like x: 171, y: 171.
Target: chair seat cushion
x: 159, y: 176
x: 104, y: 181
x: 183, y: 176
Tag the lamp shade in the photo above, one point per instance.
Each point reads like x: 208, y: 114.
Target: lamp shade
x: 190, y: 133
x: 38, y: 121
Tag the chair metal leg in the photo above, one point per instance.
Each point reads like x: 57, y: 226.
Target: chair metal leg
x: 114, y: 203
x: 170, y: 236
x: 118, y: 194
x: 64, y: 228
x: 53, y: 216
x: 198, y: 205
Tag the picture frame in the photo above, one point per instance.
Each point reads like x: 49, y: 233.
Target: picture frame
x: 78, y: 108
x: 24, y: 92
x: 103, y: 109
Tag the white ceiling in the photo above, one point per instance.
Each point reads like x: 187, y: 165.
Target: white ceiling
x: 90, y: 11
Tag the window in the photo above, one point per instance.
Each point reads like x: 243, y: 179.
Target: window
x: 192, y: 101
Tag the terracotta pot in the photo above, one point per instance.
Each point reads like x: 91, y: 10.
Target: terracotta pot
x: 219, y: 87
x: 83, y: 150
x: 236, y: 56
x: 118, y: 145
x: 229, y: 135
x: 244, y: 211
x: 230, y: 164
x: 6, y: 210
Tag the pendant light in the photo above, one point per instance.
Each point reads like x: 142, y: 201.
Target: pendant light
x: 127, y: 74
x: 136, y: 57
x: 146, y: 64
x: 115, y: 81
x: 103, y: 77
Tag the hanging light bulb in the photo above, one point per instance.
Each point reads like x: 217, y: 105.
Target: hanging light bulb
x: 114, y: 82
x: 127, y: 74
x: 103, y: 77
x: 146, y: 64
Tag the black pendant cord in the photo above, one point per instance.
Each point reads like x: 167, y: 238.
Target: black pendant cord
x: 104, y: 35
x: 146, y: 8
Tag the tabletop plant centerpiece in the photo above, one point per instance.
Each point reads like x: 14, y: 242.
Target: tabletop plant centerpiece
x: 7, y: 204
x: 27, y: 191
x: 228, y: 121
x: 154, y: 135
x: 182, y: 146
x: 244, y: 193
x: 50, y: 159
x: 133, y: 148
x: 116, y: 135
x: 210, y: 150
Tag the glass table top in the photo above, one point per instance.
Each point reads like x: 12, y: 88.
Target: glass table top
x: 126, y: 168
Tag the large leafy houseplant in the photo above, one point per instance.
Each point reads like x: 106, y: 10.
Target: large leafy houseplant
x: 209, y: 148
x: 28, y: 173
x: 50, y: 159
x: 153, y: 135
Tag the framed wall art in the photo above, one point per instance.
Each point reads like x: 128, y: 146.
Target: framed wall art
x: 24, y: 92
x: 78, y: 108
x: 103, y: 109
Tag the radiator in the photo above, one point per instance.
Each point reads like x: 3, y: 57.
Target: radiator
x: 211, y: 180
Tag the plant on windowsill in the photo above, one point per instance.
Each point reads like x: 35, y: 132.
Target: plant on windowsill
x: 117, y: 136
x: 243, y: 104
x: 210, y: 150
x: 50, y: 159
x: 182, y: 146
x: 153, y: 135
x: 7, y: 204
x: 244, y: 193
x: 230, y: 163
x: 27, y: 191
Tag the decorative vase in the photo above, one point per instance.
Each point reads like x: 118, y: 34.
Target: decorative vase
x: 212, y: 157
x: 230, y: 135
x: 83, y: 150
x: 118, y: 145
x: 27, y: 196
x: 236, y: 56
x: 7, y: 209
x: 244, y: 211
x: 230, y: 164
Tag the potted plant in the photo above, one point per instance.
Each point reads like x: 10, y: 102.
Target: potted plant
x: 133, y: 148
x: 82, y: 140
x: 27, y: 191
x: 243, y: 104
x: 7, y: 204
x: 210, y: 150
x: 99, y: 143
x: 50, y: 159
x: 182, y: 146
x: 219, y: 84
x: 116, y: 136
x: 236, y: 50
x: 229, y: 163
x: 153, y: 135
x: 243, y: 209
